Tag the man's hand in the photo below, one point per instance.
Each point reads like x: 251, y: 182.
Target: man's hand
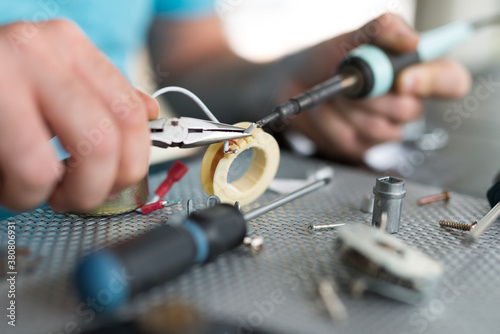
x: 344, y: 129
x: 55, y: 82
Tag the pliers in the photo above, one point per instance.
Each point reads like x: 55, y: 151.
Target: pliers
x: 185, y: 132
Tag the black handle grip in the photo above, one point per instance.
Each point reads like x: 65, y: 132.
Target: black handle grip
x: 157, y: 256
x: 401, y: 61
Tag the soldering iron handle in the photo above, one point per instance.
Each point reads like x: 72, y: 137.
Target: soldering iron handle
x: 377, y: 69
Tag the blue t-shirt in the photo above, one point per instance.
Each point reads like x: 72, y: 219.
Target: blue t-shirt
x: 117, y: 27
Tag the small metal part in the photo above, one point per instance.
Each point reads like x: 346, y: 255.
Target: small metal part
x: 251, y: 128
x: 444, y: 196
x: 367, y: 203
x: 256, y: 243
x: 389, y: 193
x: 130, y: 199
x: 333, y: 304
x: 386, y: 265
x: 457, y: 225
x: 227, y: 150
x: 237, y: 205
x: 482, y: 225
x: 213, y: 201
x: 189, y: 207
x: 317, y: 227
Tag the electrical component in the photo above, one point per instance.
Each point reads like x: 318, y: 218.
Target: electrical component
x: 215, y: 168
x: 174, y: 174
x: 385, y: 265
x: 148, y: 208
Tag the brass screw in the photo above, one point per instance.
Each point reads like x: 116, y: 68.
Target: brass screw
x: 458, y: 226
x: 445, y: 195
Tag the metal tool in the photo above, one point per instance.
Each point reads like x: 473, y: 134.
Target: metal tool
x: 168, y: 251
x: 389, y: 193
x: 185, y: 132
x: 482, y: 225
x: 369, y: 71
x: 385, y: 265
x: 493, y: 195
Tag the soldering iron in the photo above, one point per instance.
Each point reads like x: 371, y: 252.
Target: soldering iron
x: 369, y: 71
x: 112, y: 276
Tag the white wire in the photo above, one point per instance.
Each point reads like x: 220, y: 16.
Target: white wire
x: 196, y: 99
x: 189, y: 94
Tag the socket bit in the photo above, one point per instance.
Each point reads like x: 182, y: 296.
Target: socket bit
x: 389, y: 193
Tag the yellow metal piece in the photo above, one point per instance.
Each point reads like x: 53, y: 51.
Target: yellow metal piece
x: 130, y: 199
x: 215, y: 167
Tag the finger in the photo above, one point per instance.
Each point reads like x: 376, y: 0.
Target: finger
x: 373, y: 129
x: 29, y: 168
x: 396, y: 108
x: 86, y: 131
x: 333, y: 134
x: 389, y: 31
x: 439, y: 78
x: 130, y: 108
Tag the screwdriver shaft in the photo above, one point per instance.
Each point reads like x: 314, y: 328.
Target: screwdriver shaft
x: 482, y: 225
x: 286, y: 198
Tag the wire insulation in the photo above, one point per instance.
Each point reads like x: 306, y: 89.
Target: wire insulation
x: 188, y: 93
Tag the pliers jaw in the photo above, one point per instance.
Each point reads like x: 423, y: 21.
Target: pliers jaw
x: 185, y: 132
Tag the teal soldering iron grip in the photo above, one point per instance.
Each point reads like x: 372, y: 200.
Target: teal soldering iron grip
x: 377, y: 69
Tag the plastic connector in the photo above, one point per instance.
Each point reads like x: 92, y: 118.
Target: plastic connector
x: 175, y: 173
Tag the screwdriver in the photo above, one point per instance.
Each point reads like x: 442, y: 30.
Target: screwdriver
x: 112, y: 276
x: 493, y: 195
x: 369, y: 71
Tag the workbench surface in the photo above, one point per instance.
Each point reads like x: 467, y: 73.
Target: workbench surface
x: 237, y: 285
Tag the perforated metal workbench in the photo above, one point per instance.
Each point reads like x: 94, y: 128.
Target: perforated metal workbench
x: 237, y: 284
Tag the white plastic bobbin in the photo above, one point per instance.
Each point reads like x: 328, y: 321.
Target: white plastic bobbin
x: 215, y: 168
